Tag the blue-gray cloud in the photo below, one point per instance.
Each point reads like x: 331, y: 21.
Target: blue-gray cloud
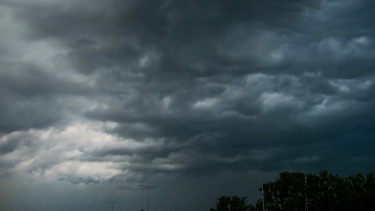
x: 123, y: 90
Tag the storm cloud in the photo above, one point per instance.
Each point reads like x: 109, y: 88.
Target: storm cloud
x: 107, y: 95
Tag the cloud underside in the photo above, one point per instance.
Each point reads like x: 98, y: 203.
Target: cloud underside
x: 106, y: 91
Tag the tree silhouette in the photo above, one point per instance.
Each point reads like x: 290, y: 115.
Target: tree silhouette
x: 234, y: 203
x: 299, y: 191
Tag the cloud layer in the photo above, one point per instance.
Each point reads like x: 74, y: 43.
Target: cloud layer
x: 114, y: 92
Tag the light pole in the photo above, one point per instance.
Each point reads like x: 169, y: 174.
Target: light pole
x: 112, y: 202
x: 148, y: 192
x: 261, y: 180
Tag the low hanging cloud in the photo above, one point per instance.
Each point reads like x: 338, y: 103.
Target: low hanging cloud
x: 96, y: 92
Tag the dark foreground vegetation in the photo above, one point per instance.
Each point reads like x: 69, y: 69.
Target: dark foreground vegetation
x: 299, y: 191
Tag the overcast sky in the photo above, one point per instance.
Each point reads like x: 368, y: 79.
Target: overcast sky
x: 100, y: 96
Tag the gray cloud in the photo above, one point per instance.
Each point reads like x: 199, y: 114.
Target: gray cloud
x: 114, y: 93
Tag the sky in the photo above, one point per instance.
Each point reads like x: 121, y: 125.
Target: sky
x: 98, y: 97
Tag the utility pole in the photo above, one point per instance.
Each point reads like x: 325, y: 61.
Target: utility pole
x: 148, y: 192
x: 261, y: 180
x: 114, y: 202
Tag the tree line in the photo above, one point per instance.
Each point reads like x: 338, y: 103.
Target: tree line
x: 312, y: 192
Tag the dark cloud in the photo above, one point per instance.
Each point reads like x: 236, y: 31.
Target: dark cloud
x: 31, y: 98
x: 115, y: 92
